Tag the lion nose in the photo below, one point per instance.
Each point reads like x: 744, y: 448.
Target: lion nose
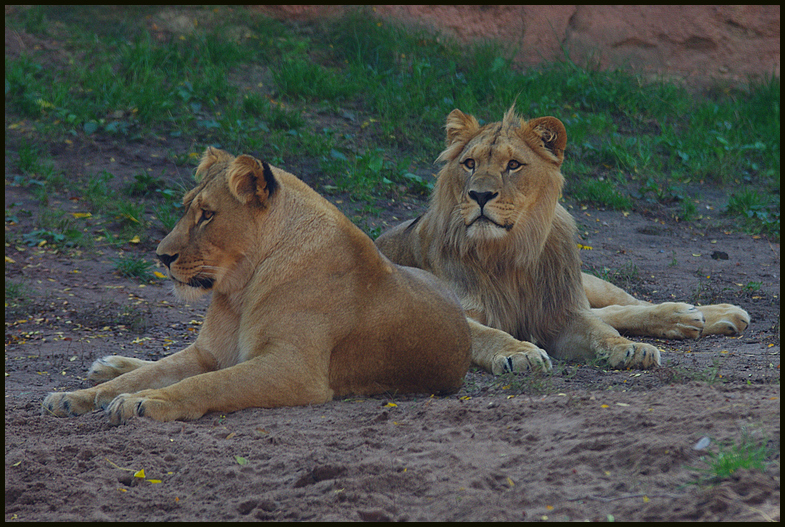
x: 482, y: 197
x: 167, y: 259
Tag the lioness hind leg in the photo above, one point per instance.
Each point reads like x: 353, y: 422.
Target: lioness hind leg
x: 724, y: 319
x: 112, y: 366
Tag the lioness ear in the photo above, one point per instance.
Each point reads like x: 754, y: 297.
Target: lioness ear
x: 209, y: 158
x: 250, y: 179
x: 459, y: 125
x: 547, y: 136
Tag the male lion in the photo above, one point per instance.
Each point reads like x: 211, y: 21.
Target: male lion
x: 497, y: 235
x: 304, y: 308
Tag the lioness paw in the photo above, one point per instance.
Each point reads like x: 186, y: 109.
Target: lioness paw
x: 107, y: 368
x: 67, y: 404
x: 148, y: 403
x: 724, y: 319
x: 534, y: 359
x: 124, y: 407
x: 634, y: 355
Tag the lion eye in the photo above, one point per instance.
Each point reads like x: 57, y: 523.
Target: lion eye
x: 469, y: 164
x: 207, y: 215
x: 513, y: 165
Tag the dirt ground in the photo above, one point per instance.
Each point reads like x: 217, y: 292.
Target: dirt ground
x: 581, y: 444
x: 584, y: 443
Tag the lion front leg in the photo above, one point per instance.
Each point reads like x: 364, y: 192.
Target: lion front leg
x: 499, y: 352
x: 188, y: 362
x: 588, y: 337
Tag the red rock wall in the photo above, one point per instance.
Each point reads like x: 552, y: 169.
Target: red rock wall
x: 692, y: 41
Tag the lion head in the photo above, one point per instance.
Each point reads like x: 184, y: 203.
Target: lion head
x: 500, y: 184
x: 206, y: 250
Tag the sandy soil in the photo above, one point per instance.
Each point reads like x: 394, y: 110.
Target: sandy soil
x: 584, y: 443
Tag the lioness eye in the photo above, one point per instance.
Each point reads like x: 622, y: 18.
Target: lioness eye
x: 207, y: 214
x: 513, y: 165
x: 469, y: 164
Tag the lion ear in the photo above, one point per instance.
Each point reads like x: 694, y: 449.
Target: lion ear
x: 459, y: 126
x: 547, y: 136
x: 251, y: 180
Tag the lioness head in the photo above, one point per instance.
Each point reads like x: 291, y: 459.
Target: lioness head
x: 208, y: 248
x: 502, y: 179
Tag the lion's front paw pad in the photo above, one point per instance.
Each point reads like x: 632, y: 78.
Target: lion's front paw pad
x: 516, y: 362
x: 634, y: 355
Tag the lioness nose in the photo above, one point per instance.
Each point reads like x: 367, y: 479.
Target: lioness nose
x: 167, y: 259
x: 482, y: 197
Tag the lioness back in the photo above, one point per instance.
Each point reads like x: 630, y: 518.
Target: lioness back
x: 397, y: 353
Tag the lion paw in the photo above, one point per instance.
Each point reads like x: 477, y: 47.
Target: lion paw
x: 107, y: 368
x: 724, y: 319
x: 637, y: 355
x: 677, y: 320
x: 534, y: 359
x: 67, y: 404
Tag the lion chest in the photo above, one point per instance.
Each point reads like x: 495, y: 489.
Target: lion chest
x: 524, y: 305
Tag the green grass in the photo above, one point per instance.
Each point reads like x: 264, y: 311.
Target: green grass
x: 730, y: 457
x: 626, y: 277
x: 16, y: 294
x: 359, y: 105
x: 134, y: 267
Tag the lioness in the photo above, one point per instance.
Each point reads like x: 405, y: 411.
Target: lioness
x: 304, y: 308
x: 496, y: 233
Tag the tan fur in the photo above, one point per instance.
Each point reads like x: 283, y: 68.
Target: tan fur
x: 304, y: 308
x: 497, y: 235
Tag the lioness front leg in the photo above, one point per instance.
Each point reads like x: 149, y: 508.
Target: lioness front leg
x: 169, y: 370
x: 265, y: 381
x: 499, y: 352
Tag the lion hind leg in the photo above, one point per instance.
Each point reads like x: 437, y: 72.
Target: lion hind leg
x: 587, y: 336
x: 601, y: 293
x: 669, y: 320
x: 111, y: 366
x: 724, y: 319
